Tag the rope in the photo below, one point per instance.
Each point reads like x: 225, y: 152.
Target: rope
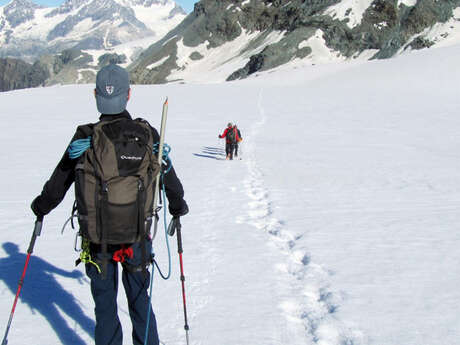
x: 85, y: 255
x: 78, y: 147
x: 165, y: 158
x: 166, y: 239
x: 168, y: 163
x: 155, y: 262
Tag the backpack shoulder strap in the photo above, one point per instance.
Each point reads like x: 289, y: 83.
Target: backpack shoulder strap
x: 141, y: 119
x: 154, y: 132
x: 83, y: 131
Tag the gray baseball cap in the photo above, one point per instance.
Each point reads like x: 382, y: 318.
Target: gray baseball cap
x: 112, y: 86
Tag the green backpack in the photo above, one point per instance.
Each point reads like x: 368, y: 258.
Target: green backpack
x: 114, y: 183
x: 231, y: 135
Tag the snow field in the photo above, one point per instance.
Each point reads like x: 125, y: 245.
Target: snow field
x: 338, y: 226
x: 372, y: 187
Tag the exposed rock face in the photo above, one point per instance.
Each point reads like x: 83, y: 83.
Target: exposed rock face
x: 71, y: 64
x: 16, y: 74
x: 386, y: 26
x: 111, y: 58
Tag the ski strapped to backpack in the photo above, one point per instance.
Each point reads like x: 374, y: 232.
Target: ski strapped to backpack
x: 114, y: 185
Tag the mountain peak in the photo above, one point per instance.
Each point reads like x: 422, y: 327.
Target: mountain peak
x: 22, y: 3
x: 20, y: 11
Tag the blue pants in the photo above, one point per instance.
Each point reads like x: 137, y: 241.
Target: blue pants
x: 108, y: 328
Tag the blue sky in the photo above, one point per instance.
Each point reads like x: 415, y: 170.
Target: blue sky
x: 187, y: 5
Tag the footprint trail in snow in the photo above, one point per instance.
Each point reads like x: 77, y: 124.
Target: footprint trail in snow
x: 311, y: 300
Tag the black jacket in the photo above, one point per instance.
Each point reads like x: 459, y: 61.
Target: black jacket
x: 64, y: 175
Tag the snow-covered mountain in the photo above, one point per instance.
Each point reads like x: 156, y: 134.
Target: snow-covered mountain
x: 232, y: 39
x: 220, y: 39
x: 28, y: 30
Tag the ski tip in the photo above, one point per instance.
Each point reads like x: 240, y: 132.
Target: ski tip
x: 166, y: 101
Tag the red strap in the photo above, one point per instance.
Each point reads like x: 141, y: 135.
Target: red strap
x: 128, y: 252
x: 121, y: 254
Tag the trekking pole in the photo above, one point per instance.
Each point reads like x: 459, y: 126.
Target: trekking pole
x: 36, y: 233
x: 175, y: 225
x: 182, y: 277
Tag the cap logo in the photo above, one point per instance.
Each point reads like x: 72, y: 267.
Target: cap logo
x: 109, y: 89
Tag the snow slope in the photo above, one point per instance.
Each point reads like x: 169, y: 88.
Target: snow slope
x: 338, y: 226
x: 351, y: 9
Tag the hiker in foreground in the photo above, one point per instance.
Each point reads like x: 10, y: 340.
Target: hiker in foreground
x: 238, y: 140
x: 231, y: 138
x: 114, y: 168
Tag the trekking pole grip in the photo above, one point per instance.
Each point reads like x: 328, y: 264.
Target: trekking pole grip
x: 36, y: 233
x: 179, y: 237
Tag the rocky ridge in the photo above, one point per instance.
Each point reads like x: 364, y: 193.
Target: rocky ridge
x: 383, y: 29
x: 17, y: 74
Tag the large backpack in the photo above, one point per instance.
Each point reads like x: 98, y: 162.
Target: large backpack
x: 114, y: 183
x: 231, y: 135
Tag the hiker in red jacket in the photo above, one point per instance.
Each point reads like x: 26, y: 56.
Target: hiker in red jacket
x: 231, y: 138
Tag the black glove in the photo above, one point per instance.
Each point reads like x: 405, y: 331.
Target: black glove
x: 36, y: 209
x: 179, y: 212
x: 175, y: 221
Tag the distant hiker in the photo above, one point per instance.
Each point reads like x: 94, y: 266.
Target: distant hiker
x: 231, y: 138
x: 113, y: 165
x: 238, y: 140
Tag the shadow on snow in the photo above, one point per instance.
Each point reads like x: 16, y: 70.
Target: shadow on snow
x: 211, y: 152
x: 43, y: 294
